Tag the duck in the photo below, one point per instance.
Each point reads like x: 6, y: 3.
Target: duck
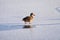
x: 28, y: 18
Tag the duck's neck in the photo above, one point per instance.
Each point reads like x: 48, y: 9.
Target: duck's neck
x: 31, y: 16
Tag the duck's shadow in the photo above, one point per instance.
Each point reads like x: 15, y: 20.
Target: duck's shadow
x: 27, y: 26
x: 13, y: 27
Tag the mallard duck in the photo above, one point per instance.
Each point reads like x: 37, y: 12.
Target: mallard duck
x: 28, y: 18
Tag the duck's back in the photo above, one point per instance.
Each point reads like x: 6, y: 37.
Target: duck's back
x: 27, y: 19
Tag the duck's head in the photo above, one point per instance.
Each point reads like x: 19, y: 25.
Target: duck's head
x: 32, y: 14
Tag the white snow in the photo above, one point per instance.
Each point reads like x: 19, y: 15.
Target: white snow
x: 38, y: 33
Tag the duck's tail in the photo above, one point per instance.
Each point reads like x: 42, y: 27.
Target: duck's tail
x: 23, y: 19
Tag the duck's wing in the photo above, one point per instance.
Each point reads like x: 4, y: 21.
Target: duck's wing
x: 26, y: 18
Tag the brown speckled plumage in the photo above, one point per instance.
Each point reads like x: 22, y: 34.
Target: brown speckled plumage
x: 28, y: 18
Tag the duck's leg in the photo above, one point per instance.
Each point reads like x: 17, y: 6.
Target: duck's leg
x: 25, y: 22
x: 29, y: 23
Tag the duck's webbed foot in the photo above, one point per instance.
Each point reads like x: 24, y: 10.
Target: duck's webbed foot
x: 25, y: 23
x: 29, y: 23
